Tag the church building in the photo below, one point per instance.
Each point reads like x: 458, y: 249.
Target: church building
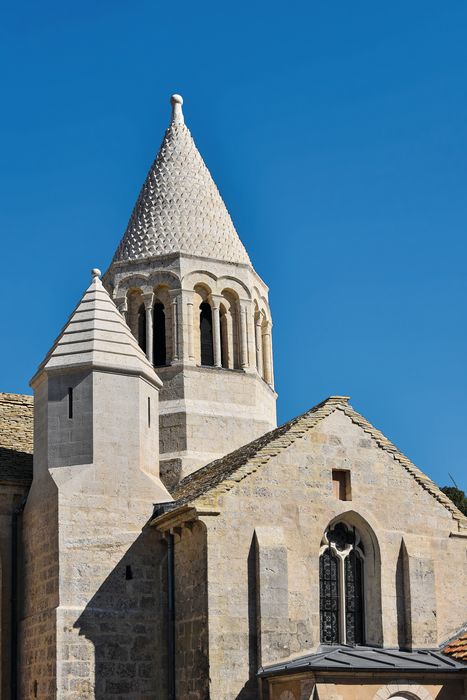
x: 162, y: 539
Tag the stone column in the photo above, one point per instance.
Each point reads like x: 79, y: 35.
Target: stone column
x: 216, y: 330
x: 122, y: 305
x: 271, y: 356
x: 243, y: 336
x: 148, y: 304
x: 267, y: 365
x: 259, y: 346
x: 175, y: 325
x: 189, y: 329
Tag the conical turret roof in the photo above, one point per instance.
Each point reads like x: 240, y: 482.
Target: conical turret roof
x: 179, y: 208
x: 96, y: 335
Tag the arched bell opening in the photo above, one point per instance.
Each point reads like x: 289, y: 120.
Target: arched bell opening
x: 141, y: 327
x: 205, y: 333
x: 160, y: 344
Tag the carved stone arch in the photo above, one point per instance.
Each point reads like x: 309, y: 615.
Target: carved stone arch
x: 406, y: 689
x: 372, y: 597
x: 235, y: 284
x: 166, y: 278
x: 204, y: 277
x: 133, y: 281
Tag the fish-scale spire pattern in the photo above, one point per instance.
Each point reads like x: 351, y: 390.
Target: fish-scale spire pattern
x: 179, y: 208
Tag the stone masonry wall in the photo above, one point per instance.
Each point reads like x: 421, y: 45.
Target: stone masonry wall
x: 206, y: 413
x: 191, y: 631
x: 11, y: 498
x: 37, y: 657
x: 294, y: 491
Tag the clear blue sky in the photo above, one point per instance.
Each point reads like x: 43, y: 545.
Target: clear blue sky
x: 336, y: 132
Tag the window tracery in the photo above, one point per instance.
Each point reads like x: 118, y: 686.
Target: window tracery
x: 341, y: 586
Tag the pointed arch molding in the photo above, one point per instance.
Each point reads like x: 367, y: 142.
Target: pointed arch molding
x: 412, y: 688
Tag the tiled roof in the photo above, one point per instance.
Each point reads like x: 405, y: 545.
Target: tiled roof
x: 179, y: 208
x: 220, y: 476
x: 457, y: 649
x: 16, y: 434
x: 364, y: 659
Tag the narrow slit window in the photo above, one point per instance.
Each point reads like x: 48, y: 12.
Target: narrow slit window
x: 149, y: 411
x: 341, y: 485
x: 128, y: 572
x: 70, y: 403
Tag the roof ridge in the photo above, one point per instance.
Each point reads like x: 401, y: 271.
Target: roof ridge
x: 248, y: 458
x: 384, y: 443
x: 258, y: 451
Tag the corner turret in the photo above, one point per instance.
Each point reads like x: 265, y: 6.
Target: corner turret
x: 90, y: 566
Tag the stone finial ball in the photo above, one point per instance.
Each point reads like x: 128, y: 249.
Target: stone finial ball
x: 176, y: 99
x: 95, y: 272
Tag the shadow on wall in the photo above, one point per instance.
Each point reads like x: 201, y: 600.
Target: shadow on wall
x: 250, y: 689
x: 403, y: 601
x: 16, y: 464
x: 126, y: 623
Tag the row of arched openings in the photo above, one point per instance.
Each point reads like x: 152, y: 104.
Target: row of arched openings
x: 229, y: 349
x: 341, y: 569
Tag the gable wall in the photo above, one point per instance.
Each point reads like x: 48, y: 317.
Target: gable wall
x: 294, y: 492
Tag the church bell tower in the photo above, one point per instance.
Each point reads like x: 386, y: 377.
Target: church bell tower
x: 191, y: 297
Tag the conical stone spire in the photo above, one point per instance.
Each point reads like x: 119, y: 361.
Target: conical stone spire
x: 96, y: 335
x: 179, y: 209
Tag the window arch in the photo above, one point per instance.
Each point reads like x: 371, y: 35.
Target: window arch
x: 341, y: 567
x: 159, y: 343
x: 205, y: 332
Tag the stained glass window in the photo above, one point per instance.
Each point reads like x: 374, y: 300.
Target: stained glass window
x: 329, y: 597
x: 341, y: 586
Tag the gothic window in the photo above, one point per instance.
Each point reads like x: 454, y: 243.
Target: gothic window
x: 159, y: 350
x: 341, y: 586
x: 142, y: 327
x: 205, y: 329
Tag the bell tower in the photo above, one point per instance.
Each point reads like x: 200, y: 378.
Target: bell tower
x: 186, y: 286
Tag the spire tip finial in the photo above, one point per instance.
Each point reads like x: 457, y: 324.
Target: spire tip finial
x: 177, y: 114
x: 95, y: 272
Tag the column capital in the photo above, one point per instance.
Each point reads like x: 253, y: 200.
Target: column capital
x: 174, y: 294
x: 121, y: 303
x: 148, y: 300
x: 215, y: 300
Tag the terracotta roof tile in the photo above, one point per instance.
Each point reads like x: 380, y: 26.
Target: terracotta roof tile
x: 457, y: 648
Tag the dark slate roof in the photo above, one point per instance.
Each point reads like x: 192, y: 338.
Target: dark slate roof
x: 365, y: 659
x: 222, y: 474
x: 16, y: 432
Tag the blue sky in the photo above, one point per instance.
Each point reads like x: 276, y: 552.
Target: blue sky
x: 337, y: 135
